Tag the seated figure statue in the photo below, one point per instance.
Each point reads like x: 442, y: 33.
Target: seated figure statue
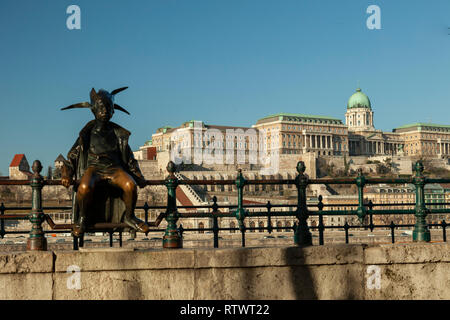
x: 107, y: 171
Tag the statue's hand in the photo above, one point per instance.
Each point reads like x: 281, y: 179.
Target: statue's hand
x: 66, y: 175
x: 141, y: 183
x: 66, y: 181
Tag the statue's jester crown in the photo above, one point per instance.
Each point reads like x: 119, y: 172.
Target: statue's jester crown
x: 102, y: 96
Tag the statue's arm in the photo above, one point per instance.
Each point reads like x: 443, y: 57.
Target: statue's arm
x: 70, y: 165
x: 133, y: 167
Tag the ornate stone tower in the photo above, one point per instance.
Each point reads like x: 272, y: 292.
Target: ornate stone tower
x: 359, y: 115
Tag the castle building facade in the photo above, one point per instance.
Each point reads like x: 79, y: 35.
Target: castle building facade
x: 287, y: 133
x: 292, y: 133
x: 425, y: 139
x: 364, y: 139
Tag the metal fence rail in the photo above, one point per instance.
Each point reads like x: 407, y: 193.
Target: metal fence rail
x: 173, y: 234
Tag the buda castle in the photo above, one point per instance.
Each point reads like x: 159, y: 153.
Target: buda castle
x: 292, y: 133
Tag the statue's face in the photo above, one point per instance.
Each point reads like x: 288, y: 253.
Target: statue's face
x: 103, y: 109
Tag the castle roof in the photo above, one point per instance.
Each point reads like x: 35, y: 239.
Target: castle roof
x: 359, y: 100
x: 298, y: 117
x: 60, y: 158
x: 425, y: 126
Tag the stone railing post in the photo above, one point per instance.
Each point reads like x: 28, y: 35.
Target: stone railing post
x: 421, y: 231
x: 240, y: 212
x: 302, y: 236
x: 2, y: 222
x: 360, y: 182
x: 36, y: 240
x: 172, y: 238
x: 321, y: 225
x: 215, y: 209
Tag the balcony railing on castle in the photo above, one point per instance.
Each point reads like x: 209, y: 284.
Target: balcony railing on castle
x: 173, y: 233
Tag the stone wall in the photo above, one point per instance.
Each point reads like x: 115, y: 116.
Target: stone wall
x: 151, y: 170
x: 406, y: 271
x: 288, y: 162
x: 16, y: 174
x: 22, y: 194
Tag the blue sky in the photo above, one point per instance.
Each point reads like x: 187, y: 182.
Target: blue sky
x: 226, y: 62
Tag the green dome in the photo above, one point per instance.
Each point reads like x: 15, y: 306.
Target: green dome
x: 358, y: 100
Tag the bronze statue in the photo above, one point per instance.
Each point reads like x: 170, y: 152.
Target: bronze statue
x: 102, y: 159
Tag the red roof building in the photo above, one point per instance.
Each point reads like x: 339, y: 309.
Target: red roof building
x: 18, y: 158
x: 19, y: 169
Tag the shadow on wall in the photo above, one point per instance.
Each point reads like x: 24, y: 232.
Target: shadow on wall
x: 311, y: 282
x: 275, y: 283
x: 131, y: 282
x: 301, y: 279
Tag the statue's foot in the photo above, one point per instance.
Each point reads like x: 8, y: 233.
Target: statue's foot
x: 80, y: 228
x: 136, y: 224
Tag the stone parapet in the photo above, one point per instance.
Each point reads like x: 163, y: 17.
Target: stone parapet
x: 406, y: 271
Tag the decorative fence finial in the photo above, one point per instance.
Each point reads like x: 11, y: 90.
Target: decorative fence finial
x: 37, y: 168
x: 418, y: 168
x: 301, y: 167
x: 302, y: 234
x: 36, y: 240
x: 421, y: 231
x: 171, y: 167
x: 172, y: 237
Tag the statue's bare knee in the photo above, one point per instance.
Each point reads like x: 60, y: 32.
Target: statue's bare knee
x: 130, y: 188
x: 83, y: 190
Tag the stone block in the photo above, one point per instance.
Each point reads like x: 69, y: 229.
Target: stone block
x: 279, y: 256
x: 407, y: 253
x: 26, y: 286
x: 418, y: 281
x: 281, y: 283
x: 120, y: 260
x: 26, y: 262
x: 129, y: 285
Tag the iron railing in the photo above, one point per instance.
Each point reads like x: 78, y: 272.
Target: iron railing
x: 173, y: 234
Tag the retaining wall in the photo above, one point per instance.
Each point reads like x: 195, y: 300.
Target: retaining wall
x: 406, y: 271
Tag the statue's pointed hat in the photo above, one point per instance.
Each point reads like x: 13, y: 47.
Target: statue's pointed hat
x: 95, y: 96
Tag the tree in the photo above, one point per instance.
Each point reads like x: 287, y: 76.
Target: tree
x: 388, y: 163
x: 330, y: 170
x: 6, y: 193
x: 49, y: 173
x: 382, y: 169
x: 346, y: 166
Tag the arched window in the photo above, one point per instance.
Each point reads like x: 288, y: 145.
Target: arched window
x: 201, y: 226
x: 287, y: 224
x: 261, y: 225
x: 279, y: 226
x: 252, y: 225
x: 232, y: 225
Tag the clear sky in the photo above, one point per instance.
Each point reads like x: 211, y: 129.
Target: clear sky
x: 226, y: 62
